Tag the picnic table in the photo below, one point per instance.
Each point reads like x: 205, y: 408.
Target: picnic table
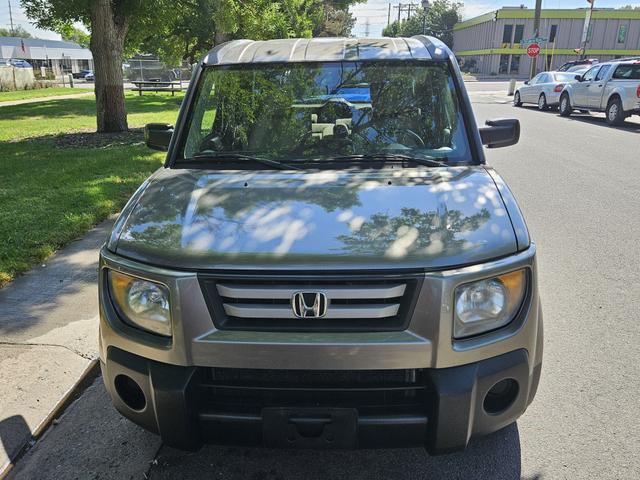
x: 156, y: 86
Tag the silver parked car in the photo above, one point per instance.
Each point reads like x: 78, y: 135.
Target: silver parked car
x: 543, y: 90
x: 325, y: 259
x: 610, y: 87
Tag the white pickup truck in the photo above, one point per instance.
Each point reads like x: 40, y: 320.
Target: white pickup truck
x: 610, y: 87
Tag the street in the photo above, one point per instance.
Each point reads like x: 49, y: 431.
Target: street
x: 576, y: 180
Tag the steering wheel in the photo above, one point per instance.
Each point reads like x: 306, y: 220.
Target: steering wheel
x: 416, y: 138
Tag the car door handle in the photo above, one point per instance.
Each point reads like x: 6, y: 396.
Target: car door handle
x: 600, y: 85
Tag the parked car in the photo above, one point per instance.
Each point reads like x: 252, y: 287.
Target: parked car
x: 4, y: 62
x: 309, y: 273
x: 89, y: 76
x: 610, y: 87
x: 81, y: 74
x: 577, y: 63
x: 17, y: 63
x: 543, y: 90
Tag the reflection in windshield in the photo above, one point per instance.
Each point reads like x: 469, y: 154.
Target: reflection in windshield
x: 298, y: 112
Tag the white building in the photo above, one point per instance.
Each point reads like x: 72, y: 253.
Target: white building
x: 59, y: 56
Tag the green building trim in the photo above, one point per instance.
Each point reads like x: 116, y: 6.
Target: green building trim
x: 517, y: 13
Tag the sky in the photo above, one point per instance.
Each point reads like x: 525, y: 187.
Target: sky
x: 373, y: 11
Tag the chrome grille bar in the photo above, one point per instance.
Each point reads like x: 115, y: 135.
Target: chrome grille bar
x: 334, y: 311
x: 277, y: 292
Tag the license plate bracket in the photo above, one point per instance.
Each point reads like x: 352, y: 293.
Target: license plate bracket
x: 284, y: 427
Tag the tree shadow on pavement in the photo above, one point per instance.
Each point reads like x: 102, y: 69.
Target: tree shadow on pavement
x: 495, y: 456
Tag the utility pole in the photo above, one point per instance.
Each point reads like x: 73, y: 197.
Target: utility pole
x: 425, y: 9
x: 587, y: 26
x: 536, y: 28
x: 399, y: 7
x: 366, y: 28
x: 11, y: 20
x: 389, y: 16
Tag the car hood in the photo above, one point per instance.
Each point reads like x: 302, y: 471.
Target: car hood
x: 407, y: 218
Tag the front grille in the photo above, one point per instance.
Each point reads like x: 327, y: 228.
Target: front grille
x: 345, y: 304
x: 372, y: 392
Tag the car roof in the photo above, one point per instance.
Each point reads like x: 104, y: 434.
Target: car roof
x: 327, y: 49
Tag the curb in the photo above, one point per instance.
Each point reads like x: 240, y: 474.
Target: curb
x: 89, y: 374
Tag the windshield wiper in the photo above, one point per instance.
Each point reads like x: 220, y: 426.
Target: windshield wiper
x: 428, y: 162
x: 239, y: 156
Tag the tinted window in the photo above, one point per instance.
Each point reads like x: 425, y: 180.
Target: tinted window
x: 591, y: 73
x: 506, y: 33
x: 517, y: 38
x: 627, y: 72
x: 304, y: 111
x: 515, y: 63
x: 603, y: 71
x: 565, y: 77
x: 535, y: 79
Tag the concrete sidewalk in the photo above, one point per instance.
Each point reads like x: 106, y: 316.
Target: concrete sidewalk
x: 48, y: 337
x: 44, y: 99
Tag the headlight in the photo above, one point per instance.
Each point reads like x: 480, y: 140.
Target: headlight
x: 488, y: 304
x: 142, y: 303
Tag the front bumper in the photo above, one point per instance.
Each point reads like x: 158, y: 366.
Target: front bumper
x: 176, y: 403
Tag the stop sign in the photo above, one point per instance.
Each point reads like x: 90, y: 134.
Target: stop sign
x: 533, y: 50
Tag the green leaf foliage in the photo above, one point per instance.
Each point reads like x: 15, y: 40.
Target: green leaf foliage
x: 441, y: 16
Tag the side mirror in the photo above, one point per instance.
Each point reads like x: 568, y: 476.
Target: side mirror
x: 526, y: 82
x: 158, y: 135
x: 502, y: 132
x: 578, y: 78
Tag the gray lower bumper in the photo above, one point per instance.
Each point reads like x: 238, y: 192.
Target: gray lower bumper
x: 171, y: 401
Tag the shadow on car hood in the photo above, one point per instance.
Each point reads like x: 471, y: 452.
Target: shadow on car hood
x: 405, y: 218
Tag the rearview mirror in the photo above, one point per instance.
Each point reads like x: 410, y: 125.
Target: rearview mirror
x: 158, y: 135
x: 526, y: 82
x: 502, y: 132
x: 578, y: 78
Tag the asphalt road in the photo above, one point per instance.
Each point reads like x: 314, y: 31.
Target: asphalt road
x: 577, y: 181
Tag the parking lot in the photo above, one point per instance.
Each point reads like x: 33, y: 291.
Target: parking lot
x: 576, y: 180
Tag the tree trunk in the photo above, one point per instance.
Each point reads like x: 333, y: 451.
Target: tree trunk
x: 108, y: 32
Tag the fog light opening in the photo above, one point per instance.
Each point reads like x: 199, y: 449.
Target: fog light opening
x: 130, y: 392
x: 501, y: 396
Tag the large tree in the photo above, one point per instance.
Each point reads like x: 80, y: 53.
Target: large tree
x: 110, y: 22
x: 173, y: 29
x: 441, y: 16
x: 198, y: 25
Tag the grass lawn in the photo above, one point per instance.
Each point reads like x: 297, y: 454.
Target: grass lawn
x: 40, y: 92
x: 52, y: 191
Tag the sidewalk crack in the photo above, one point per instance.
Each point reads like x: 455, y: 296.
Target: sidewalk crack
x: 30, y: 344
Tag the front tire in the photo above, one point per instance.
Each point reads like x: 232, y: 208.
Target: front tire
x: 565, y: 105
x: 615, y: 113
x: 517, y: 102
x: 542, y: 102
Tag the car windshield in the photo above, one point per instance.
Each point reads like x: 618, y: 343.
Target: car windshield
x: 302, y: 112
x: 564, y: 77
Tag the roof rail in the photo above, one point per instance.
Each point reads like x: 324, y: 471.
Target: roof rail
x: 625, y: 59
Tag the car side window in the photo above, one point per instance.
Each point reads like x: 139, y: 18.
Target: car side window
x: 544, y: 78
x: 591, y: 73
x: 603, y: 71
x: 535, y: 80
